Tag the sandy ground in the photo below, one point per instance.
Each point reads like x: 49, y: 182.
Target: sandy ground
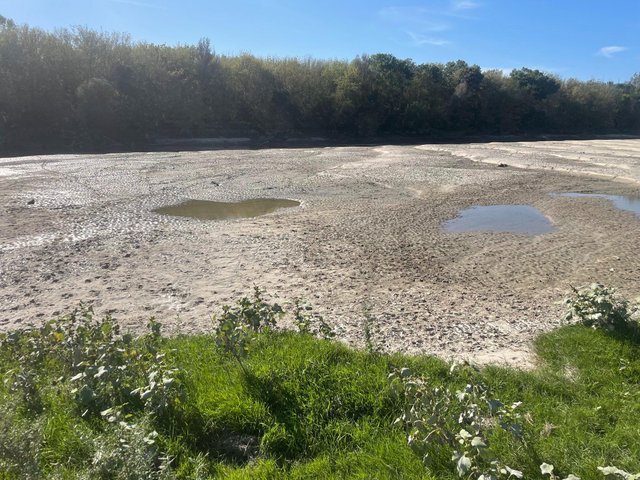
x: 367, y: 238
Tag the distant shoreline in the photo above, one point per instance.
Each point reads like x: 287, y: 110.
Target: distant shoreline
x: 259, y: 142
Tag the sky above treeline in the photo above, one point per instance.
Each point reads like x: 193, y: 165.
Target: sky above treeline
x: 584, y: 39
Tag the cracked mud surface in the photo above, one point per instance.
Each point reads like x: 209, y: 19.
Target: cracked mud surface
x: 367, y: 237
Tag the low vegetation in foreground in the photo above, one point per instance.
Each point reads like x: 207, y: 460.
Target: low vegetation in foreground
x: 81, y: 400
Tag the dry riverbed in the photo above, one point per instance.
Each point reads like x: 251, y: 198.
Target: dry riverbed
x: 366, y: 242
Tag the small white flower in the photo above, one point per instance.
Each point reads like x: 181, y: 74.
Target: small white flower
x: 546, y: 469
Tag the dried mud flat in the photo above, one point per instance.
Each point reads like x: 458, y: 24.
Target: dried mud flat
x: 367, y: 241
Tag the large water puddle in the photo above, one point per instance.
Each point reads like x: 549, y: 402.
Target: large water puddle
x: 630, y: 204
x: 208, y: 210
x: 500, y: 218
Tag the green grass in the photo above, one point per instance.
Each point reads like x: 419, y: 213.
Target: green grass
x: 317, y: 408
x: 584, y: 400
x: 309, y: 408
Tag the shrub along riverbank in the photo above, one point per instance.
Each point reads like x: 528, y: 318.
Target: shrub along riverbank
x: 81, y: 400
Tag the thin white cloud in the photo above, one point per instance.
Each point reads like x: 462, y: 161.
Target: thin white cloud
x: 136, y: 3
x: 611, y: 51
x: 424, y: 23
x: 419, y: 40
x: 458, y: 5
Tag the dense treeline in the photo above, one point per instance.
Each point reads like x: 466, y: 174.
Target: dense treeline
x: 80, y: 88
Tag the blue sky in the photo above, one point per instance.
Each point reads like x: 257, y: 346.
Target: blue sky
x: 586, y: 39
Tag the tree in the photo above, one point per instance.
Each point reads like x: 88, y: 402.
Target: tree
x: 537, y: 83
x: 464, y: 106
x: 80, y: 88
x: 427, y: 98
x: 391, y: 77
x: 6, y: 23
x: 98, y: 108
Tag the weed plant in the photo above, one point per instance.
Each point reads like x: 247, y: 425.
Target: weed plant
x: 80, y: 399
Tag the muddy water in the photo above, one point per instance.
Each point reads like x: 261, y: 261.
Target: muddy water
x: 630, y: 204
x: 208, y: 210
x: 500, y: 218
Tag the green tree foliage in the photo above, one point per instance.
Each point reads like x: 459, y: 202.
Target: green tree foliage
x: 535, y: 82
x: 6, y: 23
x: 79, y: 88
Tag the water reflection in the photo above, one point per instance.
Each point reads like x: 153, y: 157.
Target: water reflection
x: 630, y: 204
x: 208, y: 210
x: 500, y: 218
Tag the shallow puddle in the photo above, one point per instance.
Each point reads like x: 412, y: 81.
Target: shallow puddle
x: 630, y: 204
x: 208, y: 210
x: 500, y: 218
